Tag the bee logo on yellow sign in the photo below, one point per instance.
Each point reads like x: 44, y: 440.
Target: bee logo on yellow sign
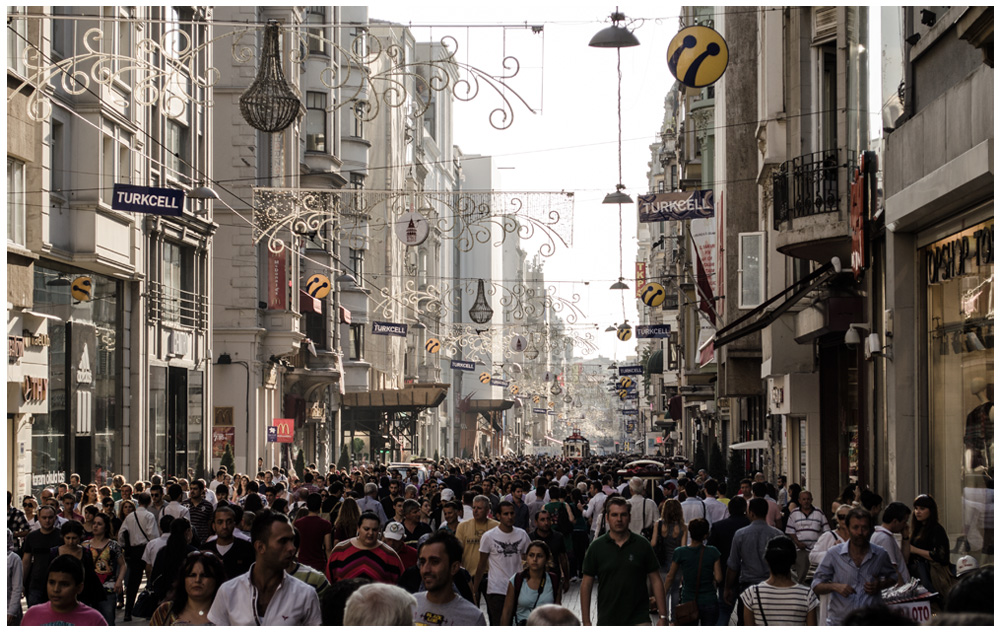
x: 433, y: 345
x: 624, y: 332
x: 485, y: 377
x: 82, y: 288
x: 318, y: 286
x: 698, y: 56
x: 652, y: 294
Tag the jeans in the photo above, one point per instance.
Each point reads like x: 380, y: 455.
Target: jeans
x: 494, y: 607
x: 725, y: 610
x: 673, y: 593
x: 107, y: 607
x: 708, y: 615
x: 36, y: 597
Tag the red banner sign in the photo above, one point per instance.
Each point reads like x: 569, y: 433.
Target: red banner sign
x: 286, y: 430
x: 640, y: 277
x: 276, y: 281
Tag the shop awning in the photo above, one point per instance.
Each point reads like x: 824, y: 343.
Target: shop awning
x: 759, y: 444
x: 555, y: 441
x: 414, y: 397
x: 654, y: 365
x: 760, y: 317
x: 309, y: 304
x: 488, y: 405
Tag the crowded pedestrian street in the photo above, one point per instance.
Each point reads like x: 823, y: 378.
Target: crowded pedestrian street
x: 500, y: 314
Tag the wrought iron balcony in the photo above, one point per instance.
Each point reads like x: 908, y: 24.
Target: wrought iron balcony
x: 173, y: 305
x: 811, y: 185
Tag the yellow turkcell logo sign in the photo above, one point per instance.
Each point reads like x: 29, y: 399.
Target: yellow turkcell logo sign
x: 82, y: 288
x: 485, y: 377
x: 697, y: 56
x: 433, y: 345
x: 652, y: 294
x: 624, y: 332
x: 318, y: 286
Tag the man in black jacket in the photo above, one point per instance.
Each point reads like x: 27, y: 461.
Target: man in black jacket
x: 236, y: 554
x: 721, y: 537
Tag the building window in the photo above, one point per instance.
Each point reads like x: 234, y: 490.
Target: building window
x: 177, y: 298
x: 116, y: 160
x: 176, y: 143
x: 315, y: 29
x: 750, y: 273
x: 316, y: 327
x: 358, y: 264
x: 673, y: 177
x: 357, y: 347
x: 358, y: 185
x: 16, y: 210
x: 359, y: 114
x: 17, y: 32
x: 316, y: 117
x: 828, y: 97
x: 62, y: 45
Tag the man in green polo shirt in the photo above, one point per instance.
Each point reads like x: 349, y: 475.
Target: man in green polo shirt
x: 624, y: 564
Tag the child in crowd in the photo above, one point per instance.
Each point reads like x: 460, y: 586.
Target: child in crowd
x: 63, y: 585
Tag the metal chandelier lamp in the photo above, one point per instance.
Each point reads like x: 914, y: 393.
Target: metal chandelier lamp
x: 270, y: 104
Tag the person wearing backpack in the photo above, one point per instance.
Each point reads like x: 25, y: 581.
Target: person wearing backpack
x: 534, y: 586
x: 559, y: 561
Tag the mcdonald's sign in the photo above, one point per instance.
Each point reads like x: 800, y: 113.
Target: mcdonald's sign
x: 286, y: 430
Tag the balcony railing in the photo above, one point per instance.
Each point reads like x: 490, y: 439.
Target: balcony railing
x: 811, y: 184
x: 172, y: 305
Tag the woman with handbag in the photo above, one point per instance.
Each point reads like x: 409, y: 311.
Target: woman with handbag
x: 929, y: 547
x: 534, y: 586
x: 700, y: 567
x: 668, y: 534
x: 109, y: 564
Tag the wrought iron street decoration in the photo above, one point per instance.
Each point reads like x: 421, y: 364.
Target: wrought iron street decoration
x: 522, y: 303
x: 371, y: 73
x: 470, y: 218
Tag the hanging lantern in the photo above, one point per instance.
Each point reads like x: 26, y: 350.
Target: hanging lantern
x: 270, y: 104
x: 481, y: 312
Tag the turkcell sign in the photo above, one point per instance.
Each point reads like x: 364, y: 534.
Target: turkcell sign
x: 632, y: 369
x: 463, y: 365
x: 630, y: 411
x: 652, y: 331
x: 388, y: 329
x: 540, y: 411
x: 153, y: 200
x: 552, y: 412
x: 500, y: 383
x: 674, y: 206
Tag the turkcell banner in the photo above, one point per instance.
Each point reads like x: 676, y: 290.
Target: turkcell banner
x: 540, y: 411
x: 154, y: 200
x: 389, y: 329
x: 632, y: 369
x: 630, y: 411
x: 463, y: 365
x: 652, y: 331
x: 500, y: 383
x: 664, y: 207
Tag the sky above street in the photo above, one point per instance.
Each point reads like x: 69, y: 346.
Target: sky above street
x: 570, y: 143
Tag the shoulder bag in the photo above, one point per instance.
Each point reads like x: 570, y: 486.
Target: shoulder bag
x: 687, y: 612
x: 760, y: 604
x: 646, y: 532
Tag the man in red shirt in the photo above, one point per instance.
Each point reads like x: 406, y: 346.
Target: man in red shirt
x: 394, y: 536
x: 312, y: 532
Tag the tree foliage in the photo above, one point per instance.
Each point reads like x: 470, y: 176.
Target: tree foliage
x: 228, y: 461
x: 345, y: 457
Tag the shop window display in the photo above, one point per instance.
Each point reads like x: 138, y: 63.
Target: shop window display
x: 960, y: 318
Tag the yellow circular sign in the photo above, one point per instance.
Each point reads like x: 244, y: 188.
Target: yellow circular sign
x: 652, y: 294
x: 484, y: 377
x: 625, y: 382
x: 624, y: 332
x: 536, y: 399
x: 515, y: 389
x: 433, y: 345
x: 82, y: 288
x: 697, y: 56
x: 318, y: 286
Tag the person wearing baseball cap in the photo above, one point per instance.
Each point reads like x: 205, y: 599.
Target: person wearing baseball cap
x: 395, y: 535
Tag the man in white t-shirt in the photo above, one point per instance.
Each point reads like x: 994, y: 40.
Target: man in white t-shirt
x: 805, y: 525
x: 501, y: 552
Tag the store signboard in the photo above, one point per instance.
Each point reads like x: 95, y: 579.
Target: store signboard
x: 277, y: 281
x: 285, y: 429
x: 150, y: 200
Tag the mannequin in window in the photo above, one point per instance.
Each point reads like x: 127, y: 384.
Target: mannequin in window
x: 977, y: 472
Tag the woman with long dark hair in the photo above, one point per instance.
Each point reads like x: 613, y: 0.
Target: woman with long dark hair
x: 668, y: 534
x: 193, y: 592
x: 346, y: 525
x: 109, y: 564
x: 534, y: 586
x: 700, y: 567
x: 928, y: 542
x: 170, y: 558
x: 851, y: 496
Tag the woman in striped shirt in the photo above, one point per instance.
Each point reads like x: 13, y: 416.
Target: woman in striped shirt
x: 779, y: 600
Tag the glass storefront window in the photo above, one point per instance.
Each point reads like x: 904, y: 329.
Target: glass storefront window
x: 959, y: 277
x: 157, y: 420
x: 79, y: 433
x: 195, y: 423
